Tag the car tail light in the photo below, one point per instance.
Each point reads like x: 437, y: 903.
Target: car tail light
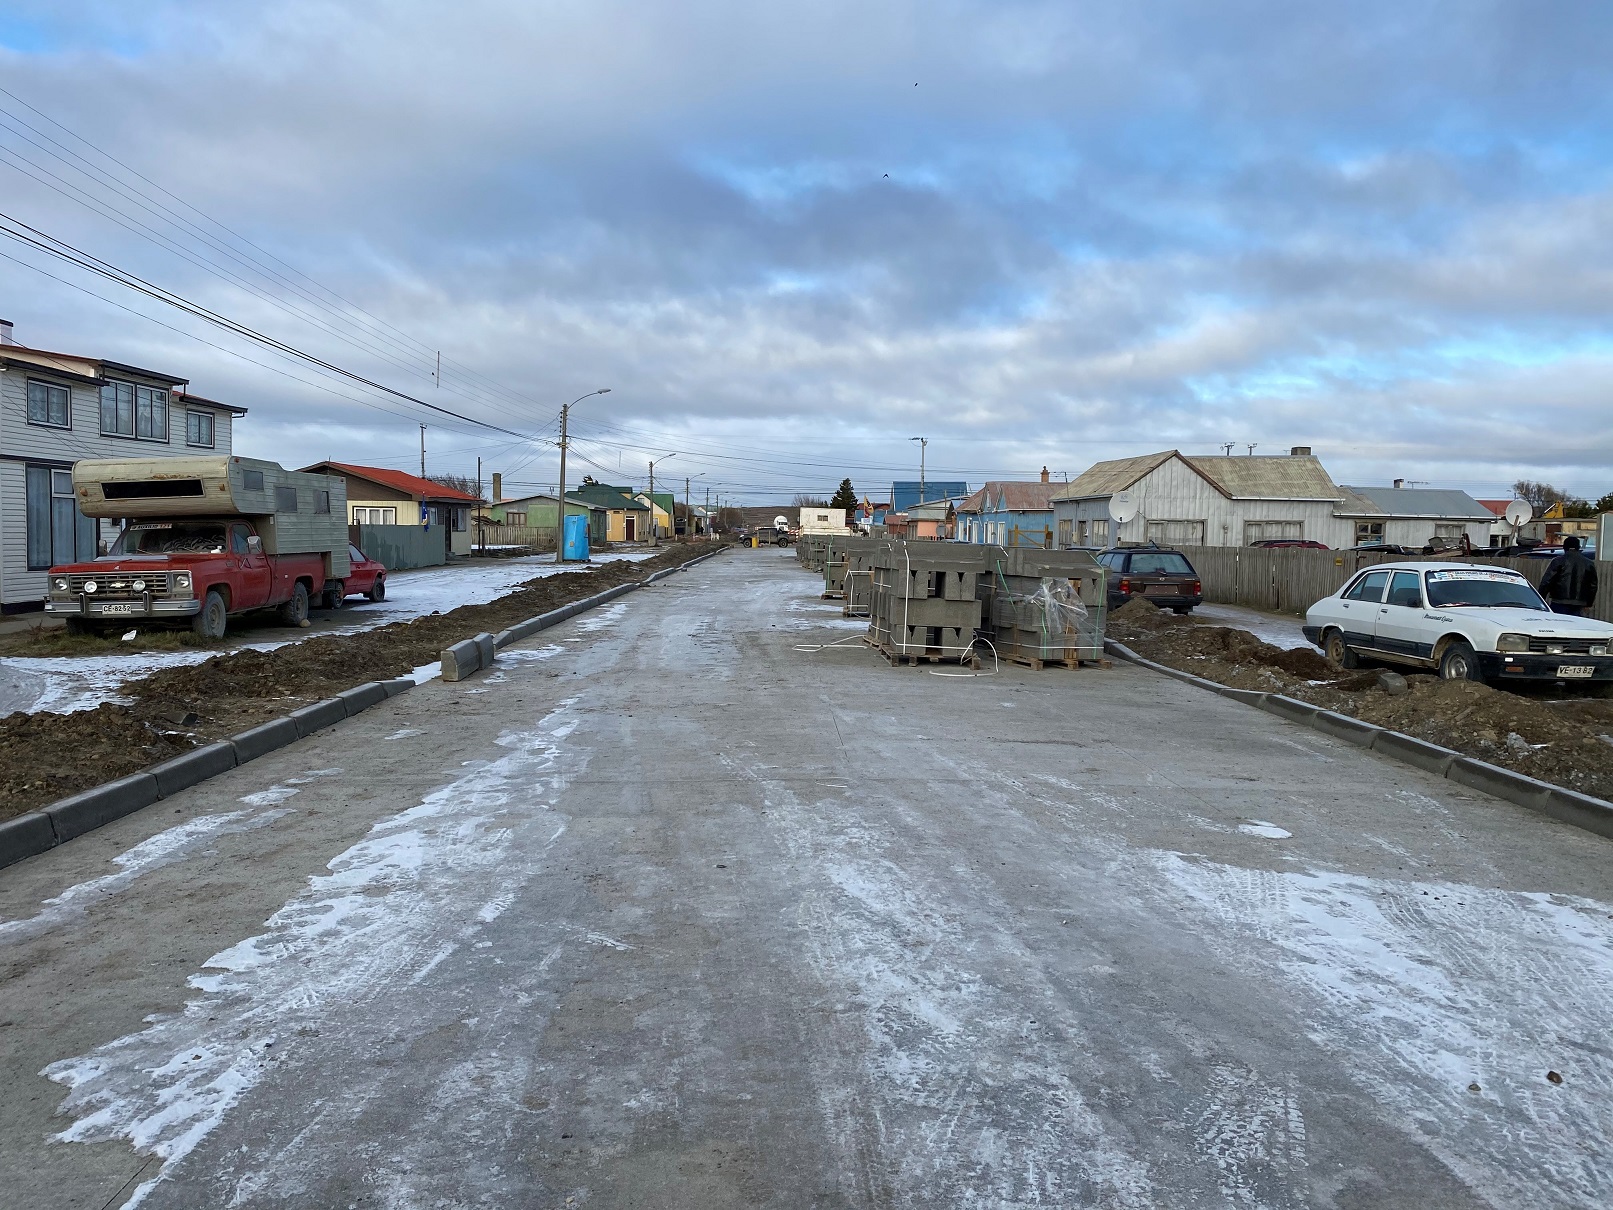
x: 1198, y: 589
x: 1125, y: 585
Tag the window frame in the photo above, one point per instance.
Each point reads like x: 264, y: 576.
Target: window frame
x: 198, y: 414
x: 284, y: 493
x: 1359, y: 580
x: 82, y: 532
x: 1415, y: 578
x: 48, y: 387
x: 140, y: 397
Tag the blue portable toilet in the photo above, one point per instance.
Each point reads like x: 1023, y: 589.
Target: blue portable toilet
x: 576, y: 539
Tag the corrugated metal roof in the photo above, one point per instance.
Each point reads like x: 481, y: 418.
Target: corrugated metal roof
x: 1116, y: 475
x: 972, y: 502
x: 1018, y: 497
x: 1268, y: 476
x: 1444, y: 503
x: 421, y: 489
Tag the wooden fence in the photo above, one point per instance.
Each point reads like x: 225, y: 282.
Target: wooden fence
x: 1292, y: 579
x: 501, y: 538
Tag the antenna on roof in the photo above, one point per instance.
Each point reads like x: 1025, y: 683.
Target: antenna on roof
x: 1227, y: 446
x: 1252, y: 445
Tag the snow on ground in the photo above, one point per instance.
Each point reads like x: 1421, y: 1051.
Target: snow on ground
x: 64, y: 684
x: 1271, y: 628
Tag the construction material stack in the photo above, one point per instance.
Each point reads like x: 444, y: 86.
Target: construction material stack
x: 837, y: 561
x: 1045, y: 606
x: 858, y: 597
x: 925, y: 603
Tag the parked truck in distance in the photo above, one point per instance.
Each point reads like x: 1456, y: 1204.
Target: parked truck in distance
x: 206, y: 539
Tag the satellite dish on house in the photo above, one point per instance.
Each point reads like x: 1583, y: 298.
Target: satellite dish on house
x: 1519, y: 513
x: 1122, y: 507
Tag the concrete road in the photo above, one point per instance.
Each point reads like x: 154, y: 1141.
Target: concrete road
x: 669, y: 912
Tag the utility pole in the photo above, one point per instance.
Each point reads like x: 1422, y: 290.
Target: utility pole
x: 1252, y: 445
x: 560, y: 506
x: 923, y: 445
x: 655, y: 530
x: 437, y: 377
x: 688, y: 517
x: 481, y: 530
x: 422, y: 451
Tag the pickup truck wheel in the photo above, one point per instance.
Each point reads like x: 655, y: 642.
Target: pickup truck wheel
x: 1338, y: 651
x: 378, y: 592
x: 295, y: 611
x: 1459, y: 663
x: 213, y: 620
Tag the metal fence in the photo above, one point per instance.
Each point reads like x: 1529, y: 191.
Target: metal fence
x: 1292, y: 579
x: 400, y: 547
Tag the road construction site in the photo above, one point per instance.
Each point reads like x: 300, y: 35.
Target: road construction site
x: 687, y: 903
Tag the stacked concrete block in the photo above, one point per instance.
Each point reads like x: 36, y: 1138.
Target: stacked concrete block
x: 837, y: 562
x: 925, y: 601
x: 1045, y: 606
x: 858, y: 598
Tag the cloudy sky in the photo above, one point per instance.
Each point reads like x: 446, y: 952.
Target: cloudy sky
x: 790, y: 236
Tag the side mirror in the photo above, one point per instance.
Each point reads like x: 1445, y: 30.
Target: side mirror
x: 254, y: 544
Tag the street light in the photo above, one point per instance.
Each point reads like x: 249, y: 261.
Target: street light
x: 655, y: 529
x: 565, y: 415
x: 923, y: 445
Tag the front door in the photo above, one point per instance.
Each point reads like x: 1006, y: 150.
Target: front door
x: 629, y: 529
x: 251, y: 570
x: 1358, y: 608
x: 1401, y: 628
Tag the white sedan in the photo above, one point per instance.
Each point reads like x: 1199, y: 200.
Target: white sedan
x: 1469, y: 622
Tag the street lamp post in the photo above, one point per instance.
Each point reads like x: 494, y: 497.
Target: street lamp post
x: 655, y: 529
x: 560, y: 519
x: 923, y: 445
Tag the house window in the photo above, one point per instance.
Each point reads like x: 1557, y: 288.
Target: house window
x: 375, y: 516
x: 285, y: 499
x: 1100, y: 532
x: 57, y: 532
x: 1369, y: 533
x: 1176, y: 533
x: 1066, y: 532
x: 322, y: 502
x: 1450, y: 531
x: 131, y: 411
x: 49, y: 404
x: 199, y: 429
x: 1268, y: 531
x: 516, y: 519
x: 460, y: 519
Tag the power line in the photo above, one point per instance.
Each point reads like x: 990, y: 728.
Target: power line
x: 33, y: 237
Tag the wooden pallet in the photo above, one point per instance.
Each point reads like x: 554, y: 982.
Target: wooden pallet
x: 905, y: 659
x: 1038, y: 662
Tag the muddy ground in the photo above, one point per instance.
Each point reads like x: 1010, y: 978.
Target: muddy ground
x: 1567, y: 740
x: 46, y: 756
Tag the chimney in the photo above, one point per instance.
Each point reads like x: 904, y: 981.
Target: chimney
x: 1300, y: 450
x: 1399, y: 483
x: 498, y: 487
x: 6, y: 338
x: 1044, y: 474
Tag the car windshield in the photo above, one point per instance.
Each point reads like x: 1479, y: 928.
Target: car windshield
x: 1480, y: 590
x: 167, y: 538
x: 1166, y: 562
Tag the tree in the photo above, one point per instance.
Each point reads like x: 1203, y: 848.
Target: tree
x: 1605, y: 504
x: 1540, y: 496
x: 458, y: 482
x: 802, y: 501
x: 1575, y: 507
x: 845, y: 497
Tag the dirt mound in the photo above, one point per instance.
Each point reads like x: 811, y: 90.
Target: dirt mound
x: 1139, y: 614
x: 239, y: 690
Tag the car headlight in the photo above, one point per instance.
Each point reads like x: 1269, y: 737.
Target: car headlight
x: 139, y: 586
x: 61, y: 584
x: 1599, y: 649
x: 1554, y: 648
x: 1512, y: 642
x: 91, y: 586
x: 182, y: 580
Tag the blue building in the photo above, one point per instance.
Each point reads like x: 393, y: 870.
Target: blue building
x: 905, y: 495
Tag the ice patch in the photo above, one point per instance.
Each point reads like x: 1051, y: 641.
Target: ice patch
x: 602, y: 618
x: 381, y: 916
x: 1259, y: 827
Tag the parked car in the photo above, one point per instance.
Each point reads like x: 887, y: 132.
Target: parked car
x: 1277, y: 543
x: 1464, y: 620
x: 367, y: 579
x: 1382, y: 548
x: 1162, y: 576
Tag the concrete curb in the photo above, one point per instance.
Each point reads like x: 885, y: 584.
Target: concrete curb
x: 1568, y: 806
x: 35, y: 832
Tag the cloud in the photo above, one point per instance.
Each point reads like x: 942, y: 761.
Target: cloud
x: 1106, y: 228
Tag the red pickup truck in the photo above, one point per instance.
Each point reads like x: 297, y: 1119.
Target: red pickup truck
x: 196, y: 569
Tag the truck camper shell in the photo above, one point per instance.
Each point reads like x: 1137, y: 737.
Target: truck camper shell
x: 294, y: 512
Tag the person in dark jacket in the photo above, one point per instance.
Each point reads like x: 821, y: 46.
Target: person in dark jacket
x: 1569, y: 584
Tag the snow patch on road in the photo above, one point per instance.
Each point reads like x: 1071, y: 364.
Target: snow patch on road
x: 383, y: 915
x: 602, y: 618
x: 1432, y: 987
x: 1268, y: 831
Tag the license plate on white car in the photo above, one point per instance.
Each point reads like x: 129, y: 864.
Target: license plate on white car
x: 1573, y: 670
